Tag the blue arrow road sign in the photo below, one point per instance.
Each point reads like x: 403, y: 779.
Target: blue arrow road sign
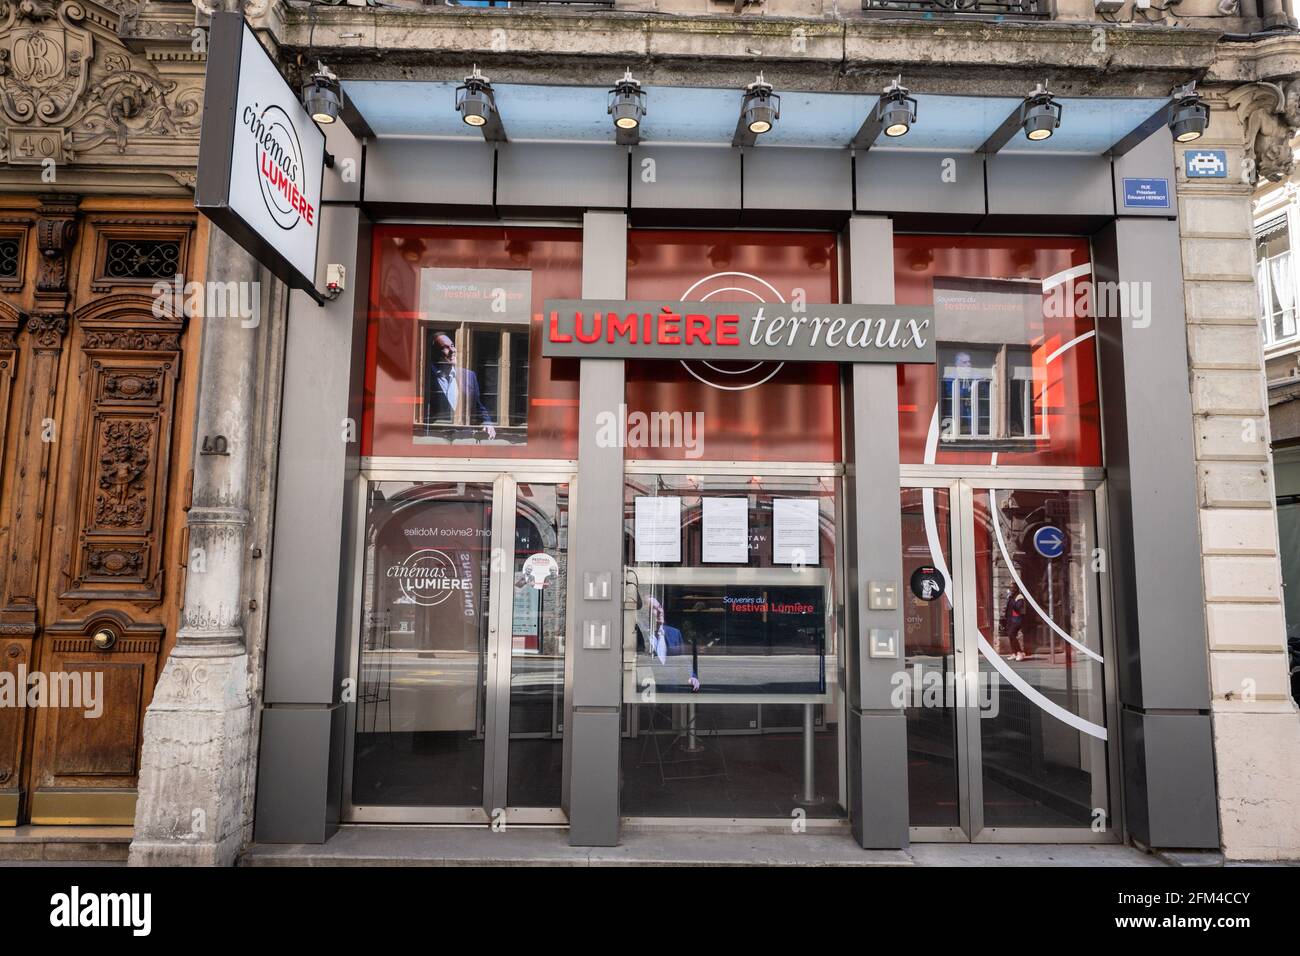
x: 1049, y: 541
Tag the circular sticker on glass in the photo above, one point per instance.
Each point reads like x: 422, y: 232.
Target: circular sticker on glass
x: 927, y: 583
x: 539, y: 568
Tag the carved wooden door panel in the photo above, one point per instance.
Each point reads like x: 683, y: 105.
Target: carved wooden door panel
x: 108, y: 578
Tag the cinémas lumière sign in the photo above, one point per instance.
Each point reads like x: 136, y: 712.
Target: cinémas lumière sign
x: 261, y: 158
x: 658, y: 329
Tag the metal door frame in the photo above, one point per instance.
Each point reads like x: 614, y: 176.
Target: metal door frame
x: 504, y: 481
x: 969, y: 756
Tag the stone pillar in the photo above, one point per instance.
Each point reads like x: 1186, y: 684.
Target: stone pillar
x: 193, y: 791
x: 1256, y: 724
x: 596, y: 547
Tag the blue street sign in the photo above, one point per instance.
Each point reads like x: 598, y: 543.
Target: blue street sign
x: 1049, y: 541
x: 1147, y: 193
x: 1206, y: 163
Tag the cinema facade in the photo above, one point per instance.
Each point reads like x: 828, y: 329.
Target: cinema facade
x: 904, y: 487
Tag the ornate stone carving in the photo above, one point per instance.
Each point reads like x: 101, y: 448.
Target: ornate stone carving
x: 123, y: 462
x: 45, y: 56
x: 1270, y: 114
x: 68, y: 86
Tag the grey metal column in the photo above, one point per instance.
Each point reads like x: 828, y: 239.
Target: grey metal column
x: 877, y: 731
x: 1154, y: 564
x: 299, y: 785
x: 596, y: 550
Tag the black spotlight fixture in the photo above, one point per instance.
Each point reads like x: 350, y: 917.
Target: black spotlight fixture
x: 322, y: 96
x: 759, y: 111
x: 1188, y: 114
x: 1185, y: 113
x: 478, y: 107
x: 627, y: 106
x: 1040, y: 114
x: 893, y: 115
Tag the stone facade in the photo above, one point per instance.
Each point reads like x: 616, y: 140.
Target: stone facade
x: 1256, y: 724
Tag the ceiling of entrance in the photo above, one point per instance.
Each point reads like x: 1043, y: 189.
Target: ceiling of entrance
x: 677, y: 115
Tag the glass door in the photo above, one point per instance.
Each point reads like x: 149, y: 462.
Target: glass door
x: 1005, y: 670
x: 458, y: 684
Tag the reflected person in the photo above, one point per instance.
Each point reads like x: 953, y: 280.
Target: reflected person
x: 665, y: 641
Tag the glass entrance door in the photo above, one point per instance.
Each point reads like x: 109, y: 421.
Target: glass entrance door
x: 458, y: 681
x: 1005, y: 677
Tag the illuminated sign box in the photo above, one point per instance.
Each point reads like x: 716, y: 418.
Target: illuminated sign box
x: 261, y: 157
x: 607, y: 328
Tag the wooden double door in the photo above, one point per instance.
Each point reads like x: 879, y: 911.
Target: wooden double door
x: 97, y: 375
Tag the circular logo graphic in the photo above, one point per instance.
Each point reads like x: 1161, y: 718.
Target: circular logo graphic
x: 731, y: 287
x: 280, y: 173
x: 927, y: 583
x: 428, y: 577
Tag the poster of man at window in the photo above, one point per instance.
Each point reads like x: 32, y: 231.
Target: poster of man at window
x: 473, y: 346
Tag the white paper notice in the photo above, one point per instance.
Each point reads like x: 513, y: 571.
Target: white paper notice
x: 795, y: 531
x: 658, y: 530
x: 726, y: 530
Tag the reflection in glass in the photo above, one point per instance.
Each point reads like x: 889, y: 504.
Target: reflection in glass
x: 422, y: 674
x: 1034, y: 581
x: 540, y: 586
x: 733, y: 698
x: 930, y: 669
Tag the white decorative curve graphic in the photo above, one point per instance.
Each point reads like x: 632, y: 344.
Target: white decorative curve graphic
x: 1011, y: 569
x: 936, y: 552
x: 1046, y: 703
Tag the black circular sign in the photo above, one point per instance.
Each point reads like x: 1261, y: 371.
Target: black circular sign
x: 927, y: 583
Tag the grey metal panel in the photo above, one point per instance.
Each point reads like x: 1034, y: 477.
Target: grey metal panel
x: 1147, y: 429
x: 1169, y: 782
x: 324, y: 360
x: 342, y: 183
x: 1151, y: 159
x: 593, y: 801
x: 299, y: 774
x: 560, y: 176
x: 916, y: 182
x: 877, y: 776
x: 596, y: 545
x: 878, y: 806
x: 1047, y: 185
x: 429, y: 172
x: 686, y: 177
x: 801, y: 179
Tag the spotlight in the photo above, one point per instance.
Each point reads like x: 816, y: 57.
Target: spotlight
x: 1040, y: 114
x: 760, y: 109
x: 897, y: 109
x: 322, y: 96
x: 474, y: 100
x: 626, y: 103
x: 1188, y: 114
